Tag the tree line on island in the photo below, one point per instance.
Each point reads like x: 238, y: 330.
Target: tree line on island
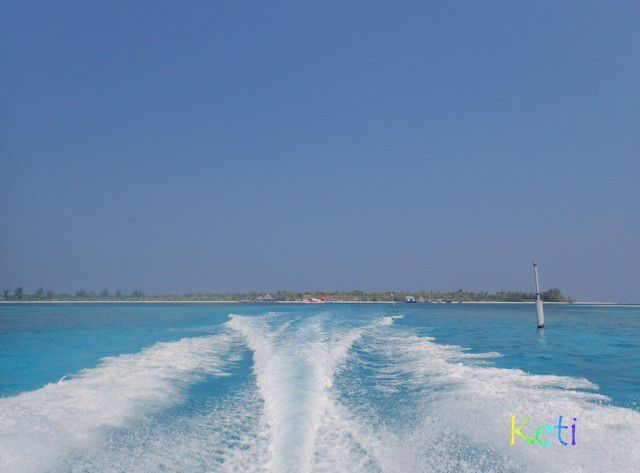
x: 551, y: 295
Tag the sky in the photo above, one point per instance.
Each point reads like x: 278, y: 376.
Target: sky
x: 234, y: 146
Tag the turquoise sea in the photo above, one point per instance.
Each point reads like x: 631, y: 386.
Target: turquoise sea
x: 328, y: 387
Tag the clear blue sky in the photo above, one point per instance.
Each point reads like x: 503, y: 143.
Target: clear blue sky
x: 238, y: 145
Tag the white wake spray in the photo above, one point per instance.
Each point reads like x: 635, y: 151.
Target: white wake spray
x: 226, y: 435
x: 40, y: 427
x: 294, y: 367
x: 329, y: 395
x: 462, y: 408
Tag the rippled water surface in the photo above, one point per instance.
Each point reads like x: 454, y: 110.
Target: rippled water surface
x: 297, y: 388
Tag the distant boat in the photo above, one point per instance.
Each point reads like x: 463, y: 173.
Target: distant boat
x: 314, y: 300
x: 410, y: 300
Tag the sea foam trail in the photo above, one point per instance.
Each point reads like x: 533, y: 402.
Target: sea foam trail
x: 462, y: 407
x: 388, y: 320
x: 40, y: 427
x: 223, y: 435
x: 294, y: 365
x: 326, y: 397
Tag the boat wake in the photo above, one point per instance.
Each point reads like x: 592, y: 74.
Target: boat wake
x: 322, y: 394
x: 453, y: 411
x: 40, y: 427
x: 294, y: 365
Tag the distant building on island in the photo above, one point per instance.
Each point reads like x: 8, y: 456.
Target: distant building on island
x: 265, y: 298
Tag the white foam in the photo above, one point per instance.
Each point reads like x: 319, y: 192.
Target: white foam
x: 294, y: 371
x: 462, y: 413
x: 388, y: 320
x: 226, y: 435
x: 327, y: 397
x: 40, y: 427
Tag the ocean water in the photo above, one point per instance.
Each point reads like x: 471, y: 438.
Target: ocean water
x: 302, y: 388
